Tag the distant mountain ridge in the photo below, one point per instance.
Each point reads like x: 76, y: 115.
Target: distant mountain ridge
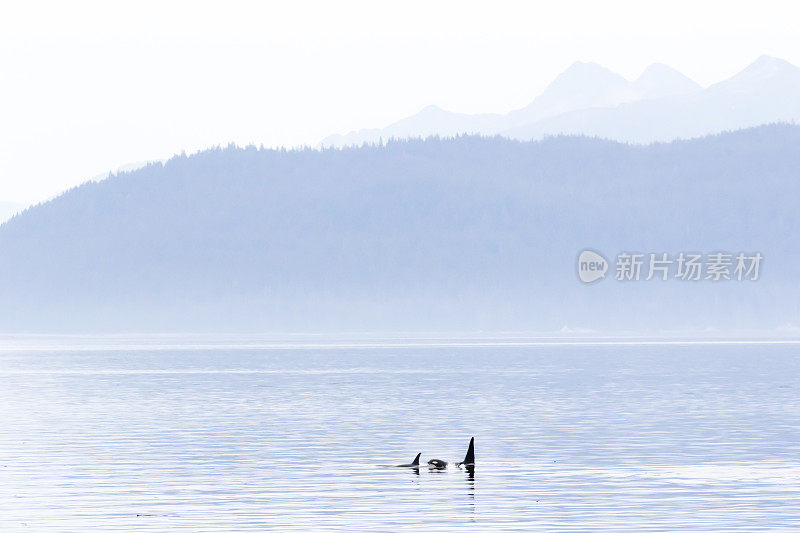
x: 588, y: 85
x: 587, y: 99
x: 461, y: 234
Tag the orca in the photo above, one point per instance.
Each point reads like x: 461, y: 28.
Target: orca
x: 437, y: 464
x: 469, y: 459
x: 412, y: 464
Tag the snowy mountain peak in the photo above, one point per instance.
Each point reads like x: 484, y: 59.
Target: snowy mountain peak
x: 764, y: 74
x: 765, y: 67
x: 431, y: 110
x: 582, y: 85
x: 659, y: 80
x: 582, y: 77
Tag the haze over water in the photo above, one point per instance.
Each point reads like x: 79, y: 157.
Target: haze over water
x: 132, y: 434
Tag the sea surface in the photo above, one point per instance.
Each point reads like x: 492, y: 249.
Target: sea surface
x: 245, y: 434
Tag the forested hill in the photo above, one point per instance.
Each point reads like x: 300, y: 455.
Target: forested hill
x: 459, y: 234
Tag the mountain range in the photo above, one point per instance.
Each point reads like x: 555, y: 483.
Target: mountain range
x: 587, y: 99
x: 461, y: 234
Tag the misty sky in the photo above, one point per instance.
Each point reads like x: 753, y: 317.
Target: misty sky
x: 90, y: 86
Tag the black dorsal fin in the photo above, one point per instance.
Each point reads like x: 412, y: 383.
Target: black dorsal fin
x: 470, y: 457
x: 416, y: 459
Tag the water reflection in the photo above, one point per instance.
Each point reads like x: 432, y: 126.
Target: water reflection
x: 469, y: 470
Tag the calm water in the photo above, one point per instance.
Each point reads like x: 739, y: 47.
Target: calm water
x: 134, y: 436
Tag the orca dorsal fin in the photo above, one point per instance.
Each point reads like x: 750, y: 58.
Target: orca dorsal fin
x: 469, y: 459
x: 416, y: 459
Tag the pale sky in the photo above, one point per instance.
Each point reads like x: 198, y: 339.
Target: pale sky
x: 86, y: 87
